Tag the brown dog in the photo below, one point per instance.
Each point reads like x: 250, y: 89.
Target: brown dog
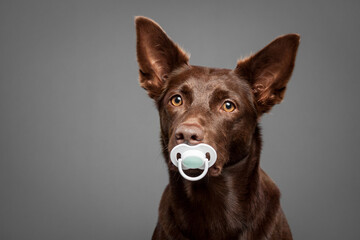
x: 222, y: 108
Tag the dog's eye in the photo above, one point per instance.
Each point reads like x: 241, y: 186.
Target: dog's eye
x: 176, y: 100
x: 228, y: 106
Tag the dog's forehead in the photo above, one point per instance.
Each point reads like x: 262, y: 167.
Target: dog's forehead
x: 203, y: 79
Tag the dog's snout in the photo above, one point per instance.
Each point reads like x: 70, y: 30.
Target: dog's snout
x: 189, y: 134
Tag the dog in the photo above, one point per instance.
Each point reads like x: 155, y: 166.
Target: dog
x: 221, y: 108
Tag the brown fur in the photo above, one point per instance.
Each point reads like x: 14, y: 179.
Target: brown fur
x: 236, y: 200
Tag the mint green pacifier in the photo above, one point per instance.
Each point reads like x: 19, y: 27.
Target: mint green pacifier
x: 193, y: 157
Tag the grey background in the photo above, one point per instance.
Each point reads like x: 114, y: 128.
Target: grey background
x: 79, y: 148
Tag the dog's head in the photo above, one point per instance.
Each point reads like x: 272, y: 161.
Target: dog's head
x: 219, y: 107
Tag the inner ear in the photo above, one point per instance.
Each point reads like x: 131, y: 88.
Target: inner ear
x: 157, y: 55
x: 269, y: 70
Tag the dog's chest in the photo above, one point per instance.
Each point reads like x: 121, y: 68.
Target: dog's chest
x: 211, y: 214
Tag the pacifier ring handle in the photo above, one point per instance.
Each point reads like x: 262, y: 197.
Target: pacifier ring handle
x: 193, y: 178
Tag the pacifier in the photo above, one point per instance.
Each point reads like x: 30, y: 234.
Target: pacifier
x: 193, y: 157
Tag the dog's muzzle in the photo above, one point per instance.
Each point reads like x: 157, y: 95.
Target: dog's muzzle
x: 193, y: 157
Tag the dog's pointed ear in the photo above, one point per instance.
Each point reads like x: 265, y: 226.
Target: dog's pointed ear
x: 157, y: 55
x: 269, y: 70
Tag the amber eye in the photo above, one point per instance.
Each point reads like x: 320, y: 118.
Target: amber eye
x: 176, y: 100
x: 228, y: 106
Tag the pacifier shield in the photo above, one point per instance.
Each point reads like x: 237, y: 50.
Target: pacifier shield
x: 193, y: 157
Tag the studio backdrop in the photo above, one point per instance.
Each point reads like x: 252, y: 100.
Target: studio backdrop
x: 80, y: 155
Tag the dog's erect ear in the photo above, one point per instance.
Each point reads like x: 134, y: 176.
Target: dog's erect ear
x: 157, y: 55
x: 269, y: 70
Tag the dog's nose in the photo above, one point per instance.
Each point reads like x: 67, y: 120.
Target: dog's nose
x: 189, y: 134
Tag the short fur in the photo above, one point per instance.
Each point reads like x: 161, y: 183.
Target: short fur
x: 237, y: 199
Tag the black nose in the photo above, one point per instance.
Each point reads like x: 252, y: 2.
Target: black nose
x: 189, y: 134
